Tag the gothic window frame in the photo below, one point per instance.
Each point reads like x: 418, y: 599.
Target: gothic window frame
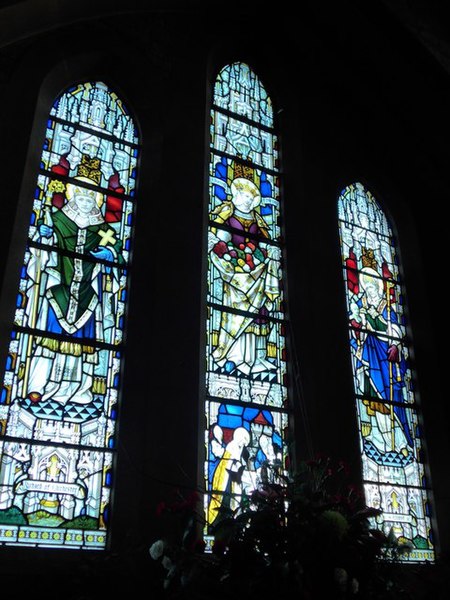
x: 363, y: 248
x: 113, y: 197
x: 225, y: 164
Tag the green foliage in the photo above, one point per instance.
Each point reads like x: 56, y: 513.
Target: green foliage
x: 81, y: 523
x: 12, y: 516
x: 420, y: 542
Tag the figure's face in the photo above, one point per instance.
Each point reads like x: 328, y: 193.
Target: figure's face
x: 373, y: 293
x: 243, y: 200
x: 241, y: 437
x: 85, y: 201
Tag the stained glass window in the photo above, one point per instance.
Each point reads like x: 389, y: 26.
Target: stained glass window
x: 60, y: 391
x: 388, y: 416
x: 246, y: 387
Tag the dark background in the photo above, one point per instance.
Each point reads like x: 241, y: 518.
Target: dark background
x: 361, y: 93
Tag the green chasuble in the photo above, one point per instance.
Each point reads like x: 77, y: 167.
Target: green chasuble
x: 75, y: 299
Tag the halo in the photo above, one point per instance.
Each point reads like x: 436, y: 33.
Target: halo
x: 247, y: 184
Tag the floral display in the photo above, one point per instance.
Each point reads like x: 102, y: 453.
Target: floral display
x: 313, y: 537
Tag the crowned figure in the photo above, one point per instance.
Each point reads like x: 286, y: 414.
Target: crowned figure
x: 72, y: 280
x: 380, y: 365
x: 249, y: 268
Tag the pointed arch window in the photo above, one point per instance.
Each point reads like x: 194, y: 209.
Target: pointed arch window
x: 246, y: 392
x: 390, y: 435
x: 60, y: 392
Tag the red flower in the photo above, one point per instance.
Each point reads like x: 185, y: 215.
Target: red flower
x: 322, y: 458
x: 338, y: 499
x: 220, y: 249
x: 160, y: 508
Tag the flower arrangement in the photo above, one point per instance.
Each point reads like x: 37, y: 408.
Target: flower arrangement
x: 308, y: 538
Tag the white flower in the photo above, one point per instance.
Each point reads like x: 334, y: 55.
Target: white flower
x: 354, y: 586
x: 156, y: 549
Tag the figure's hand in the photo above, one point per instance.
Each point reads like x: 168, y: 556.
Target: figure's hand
x: 45, y: 231
x: 273, y: 252
x: 102, y: 253
x: 373, y: 312
x: 393, y: 354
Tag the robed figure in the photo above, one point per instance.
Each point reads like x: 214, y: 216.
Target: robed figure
x: 73, y: 280
x: 249, y: 269
x: 381, y: 368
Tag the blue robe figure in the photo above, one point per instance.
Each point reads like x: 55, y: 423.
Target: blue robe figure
x: 242, y: 442
x: 379, y: 364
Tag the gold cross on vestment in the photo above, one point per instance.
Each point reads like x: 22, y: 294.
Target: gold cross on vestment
x: 107, y: 237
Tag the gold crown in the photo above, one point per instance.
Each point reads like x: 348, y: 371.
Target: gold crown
x: 368, y: 258
x: 90, y: 169
x: 243, y: 171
